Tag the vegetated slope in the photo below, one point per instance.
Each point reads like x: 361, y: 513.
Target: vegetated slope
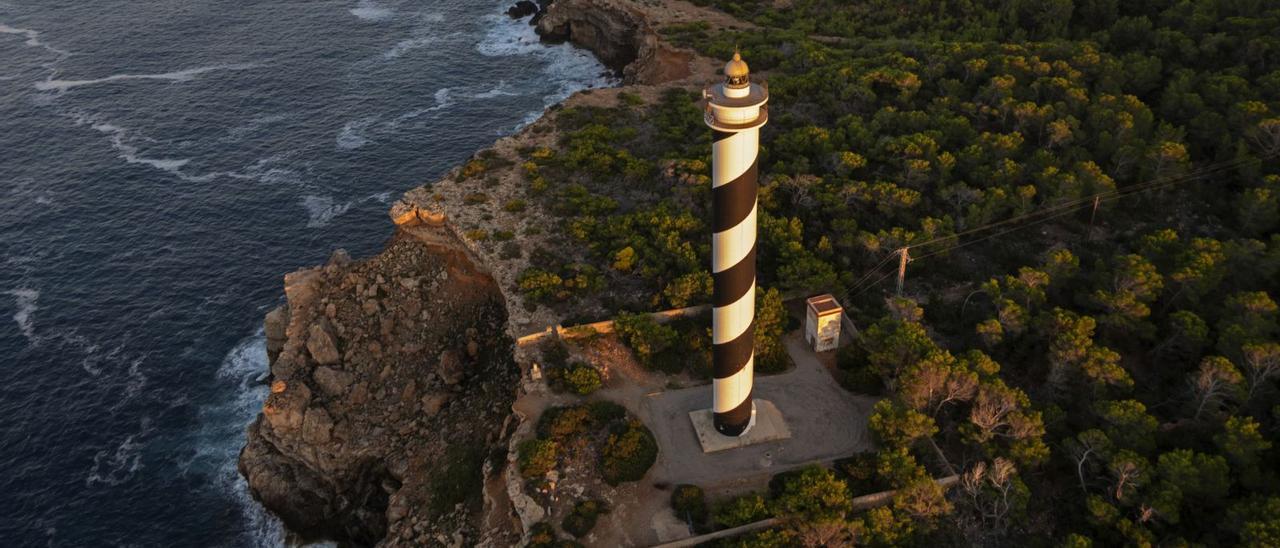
x: 1103, y: 373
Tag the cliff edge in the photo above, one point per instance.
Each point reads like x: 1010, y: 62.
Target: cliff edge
x: 393, y: 378
x: 391, y: 381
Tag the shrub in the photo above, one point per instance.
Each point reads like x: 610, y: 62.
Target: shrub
x: 561, y: 423
x: 537, y: 457
x: 582, y: 379
x: 542, y: 535
x: 690, y: 504
x: 514, y: 206
x: 741, y: 511
x: 554, y: 353
x: 475, y: 198
x: 649, y: 340
x: 456, y: 479
x: 478, y: 235
x: 473, y: 168
x: 504, y: 235
x: 813, y: 493
x: 630, y: 99
x: 628, y: 454
x: 582, y: 519
x: 510, y: 250
x: 604, y: 412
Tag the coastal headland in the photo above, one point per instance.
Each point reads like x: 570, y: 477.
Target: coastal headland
x: 393, y: 377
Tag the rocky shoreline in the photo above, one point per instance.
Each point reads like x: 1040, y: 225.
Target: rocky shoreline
x: 393, y: 378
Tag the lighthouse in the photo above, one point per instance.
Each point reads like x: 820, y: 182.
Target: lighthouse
x: 736, y: 109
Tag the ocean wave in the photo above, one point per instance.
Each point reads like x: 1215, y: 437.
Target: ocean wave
x: 25, y: 301
x: 131, y: 153
x: 351, y: 136
x: 443, y: 98
x: 221, y: 435
x: 500, y: 90
x: 118, y: 465
x: 33, y: 39
x: 370, y: 11
x: 238, y: 133
x: 186, y: 75
x: 321, y: 210
x: 572, y: 69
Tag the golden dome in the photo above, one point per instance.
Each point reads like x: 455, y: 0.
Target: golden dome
x: 736, y: 71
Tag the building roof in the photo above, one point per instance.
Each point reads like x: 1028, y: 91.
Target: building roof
x: 824, y: 305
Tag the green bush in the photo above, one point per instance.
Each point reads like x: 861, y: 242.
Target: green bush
x: 473, y: 168
x: 514, y: 206
x: 650, y: 341
x: 690, y: 504
x: 583, y: 518
x: 604, y: 412
x: 628, y: 454
x: 537, y: 457
x: 562, y: 423
x: 582, y: 379
x: 740, y: 511
x: 475, y: 198
x: 457, y: 479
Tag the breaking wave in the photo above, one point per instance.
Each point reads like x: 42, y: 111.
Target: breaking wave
x: 176, y: 76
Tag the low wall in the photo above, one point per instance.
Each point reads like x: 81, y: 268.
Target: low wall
x: 606, y: 326
x: 863, y: 502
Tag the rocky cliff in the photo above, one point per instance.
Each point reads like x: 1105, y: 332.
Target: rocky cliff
x: 391, y: 381
x: 393, y: 377
x: 620, y: 34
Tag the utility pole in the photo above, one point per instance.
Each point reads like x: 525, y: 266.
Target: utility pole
x: 903, y: 257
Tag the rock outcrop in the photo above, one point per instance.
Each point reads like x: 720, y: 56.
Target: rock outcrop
x: 391, y: 381
x: 620, y: 35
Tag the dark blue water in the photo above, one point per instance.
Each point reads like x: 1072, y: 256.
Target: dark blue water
x: 162, y: 165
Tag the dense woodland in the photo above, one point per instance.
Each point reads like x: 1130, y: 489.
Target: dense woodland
x: 1089, y: 191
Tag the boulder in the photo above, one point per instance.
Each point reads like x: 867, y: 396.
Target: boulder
x: 321, y: 346
x: 275, y: 322
x: 434, y: 402
x: 317, y: 426
x: 333, y: 382
x: 286, y: 405
x: 522, y: 9
x: 450, y: 369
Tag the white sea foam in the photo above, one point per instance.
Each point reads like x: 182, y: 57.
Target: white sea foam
x: 572, y: 69
x: 130, y: 153
x: 117, y: 465
x: 321, y: 210
x: 500, y: 90
x: 176, y: 76
x: 33, y: 39
x: 370, y: 11
x: 352, y: 134
x: 25, y: 300
x: 221, y: 435
x: 407, y: 45
x: 257, y: 123
x: 443, y: 98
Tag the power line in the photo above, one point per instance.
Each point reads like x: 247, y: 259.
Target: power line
x: 1047, y: 214
x: 1139, y: 187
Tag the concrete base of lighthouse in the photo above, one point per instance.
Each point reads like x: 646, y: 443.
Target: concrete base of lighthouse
x: 766, y: 425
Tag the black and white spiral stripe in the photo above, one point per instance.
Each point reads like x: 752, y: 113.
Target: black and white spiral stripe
x: 733, y: 267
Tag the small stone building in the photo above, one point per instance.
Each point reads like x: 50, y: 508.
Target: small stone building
x: 822, y: 323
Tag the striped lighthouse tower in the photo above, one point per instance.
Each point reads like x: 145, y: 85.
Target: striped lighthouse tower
x: 735, y: 111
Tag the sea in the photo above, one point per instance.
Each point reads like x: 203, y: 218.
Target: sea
x: 163, y: 164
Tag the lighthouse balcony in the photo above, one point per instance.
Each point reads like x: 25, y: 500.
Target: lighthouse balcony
x: 719, y: 123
